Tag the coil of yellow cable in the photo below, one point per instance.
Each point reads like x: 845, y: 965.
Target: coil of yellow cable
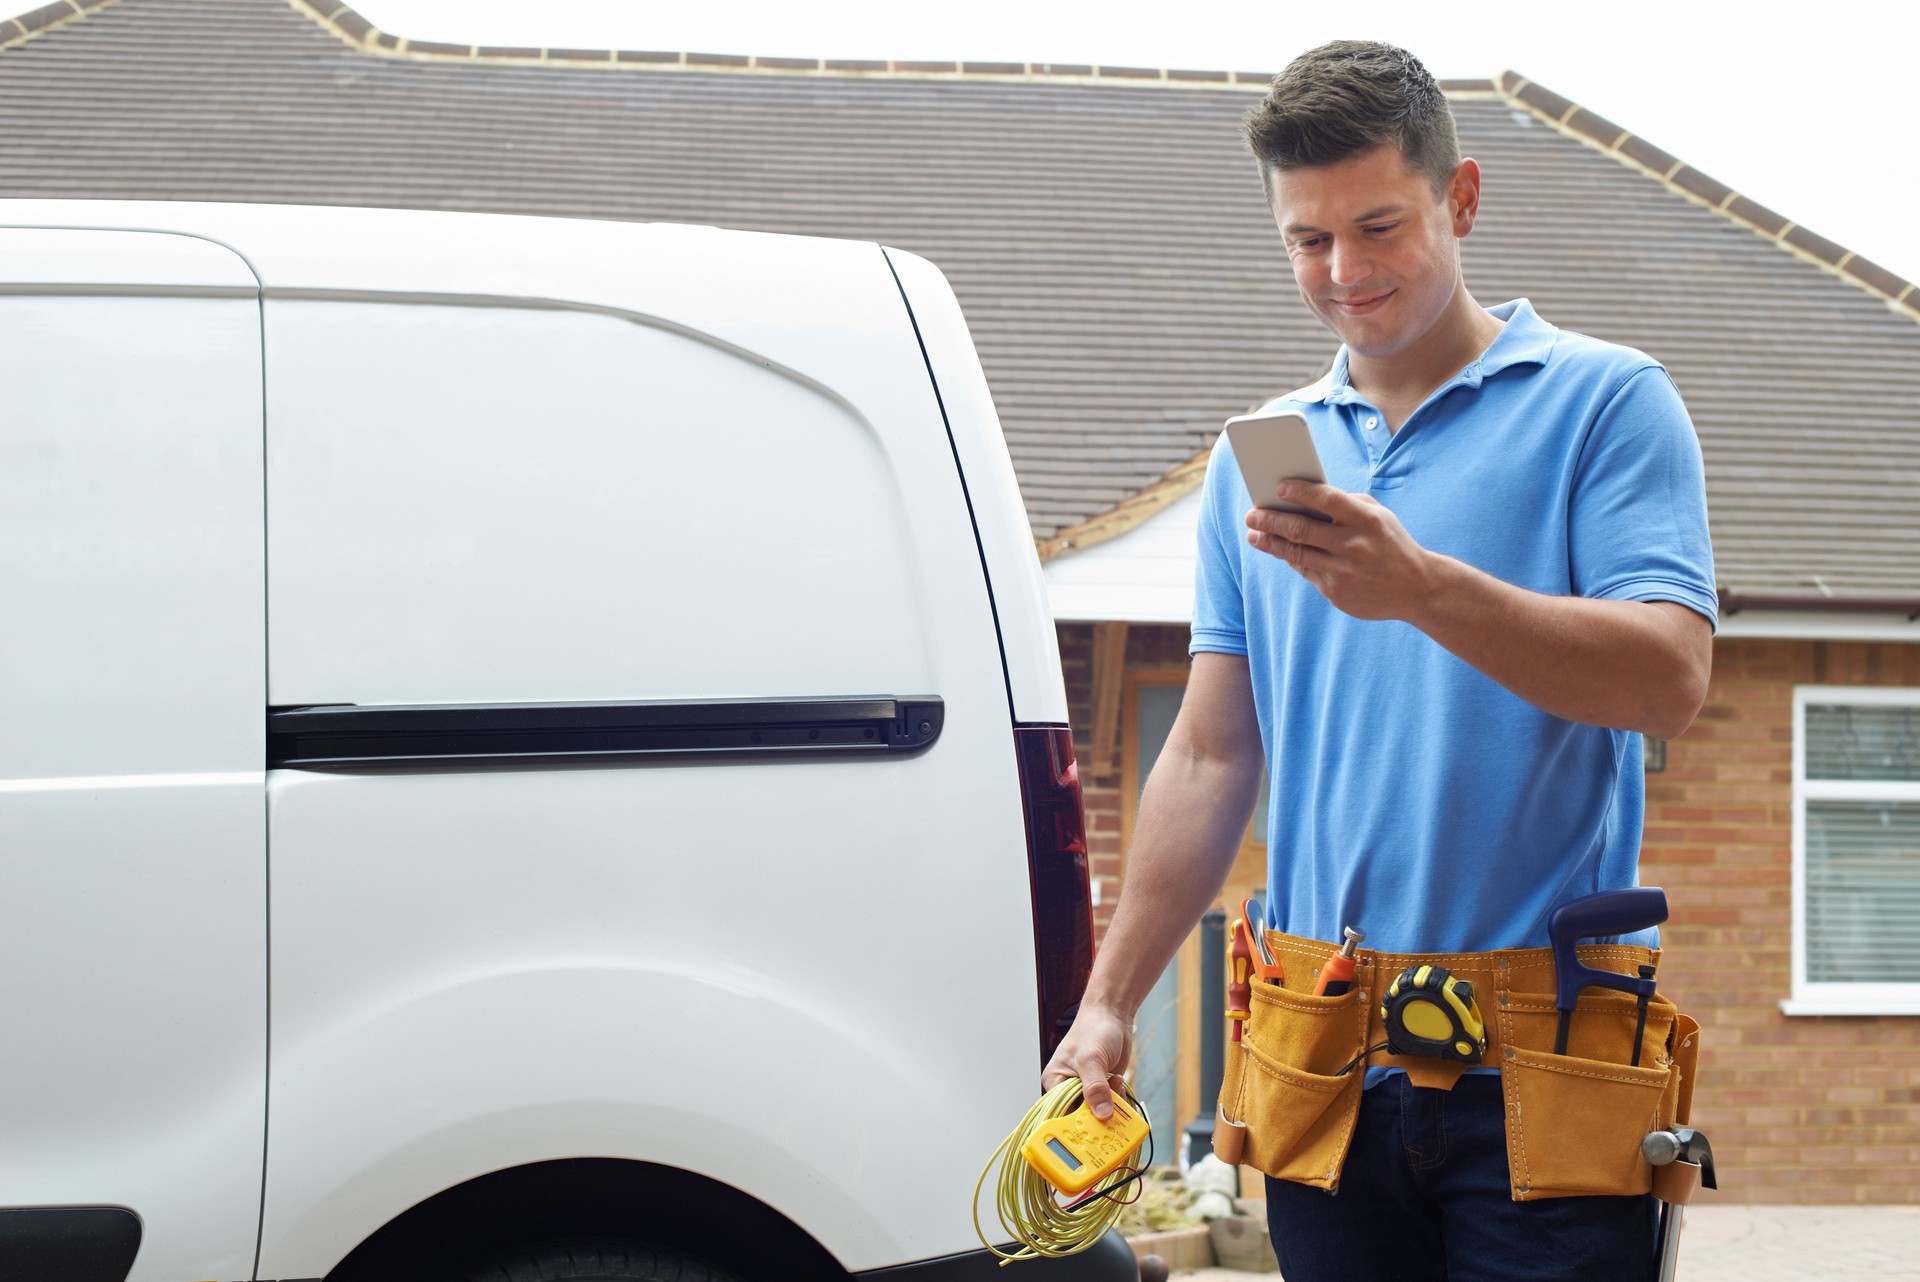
x: 1027, y: 1206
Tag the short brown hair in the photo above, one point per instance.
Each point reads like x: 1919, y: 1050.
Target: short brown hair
x: 1349, y: 97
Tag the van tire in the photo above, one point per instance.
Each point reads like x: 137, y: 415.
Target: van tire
x: 595, y: 1260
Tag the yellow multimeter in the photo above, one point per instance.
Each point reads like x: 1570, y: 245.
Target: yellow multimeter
x: 1075, y: 1152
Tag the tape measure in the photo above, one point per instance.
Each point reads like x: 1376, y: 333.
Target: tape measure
x: 1429, y: 1012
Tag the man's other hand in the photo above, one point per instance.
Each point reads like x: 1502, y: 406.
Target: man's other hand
x: 1095, y: 1050
x: 1361, y: 558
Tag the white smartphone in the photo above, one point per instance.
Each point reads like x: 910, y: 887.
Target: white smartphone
x: 1271, y: 448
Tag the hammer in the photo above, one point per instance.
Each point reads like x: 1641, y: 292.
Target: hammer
x: 1682, y: 1161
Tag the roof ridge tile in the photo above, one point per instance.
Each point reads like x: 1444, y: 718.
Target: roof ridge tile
x: 1570, y: 118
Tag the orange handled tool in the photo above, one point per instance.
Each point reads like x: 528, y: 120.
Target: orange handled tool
x: 1336, y: 977
x: 1240, y: 980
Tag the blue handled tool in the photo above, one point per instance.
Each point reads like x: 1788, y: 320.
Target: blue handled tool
x: 1611, y: 912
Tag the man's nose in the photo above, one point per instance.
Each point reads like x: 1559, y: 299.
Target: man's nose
x: 1349, y: 263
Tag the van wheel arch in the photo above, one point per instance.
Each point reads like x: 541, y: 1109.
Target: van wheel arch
x: 446, y: 1237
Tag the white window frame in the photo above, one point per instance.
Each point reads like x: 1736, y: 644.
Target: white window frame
x: 1835, y: 998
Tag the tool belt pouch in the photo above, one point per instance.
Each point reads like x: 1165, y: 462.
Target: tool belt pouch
x: 1281, y: 1083
x: 1575, y: 1121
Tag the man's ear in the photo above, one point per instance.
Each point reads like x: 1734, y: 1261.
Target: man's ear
x: 1463, y: 196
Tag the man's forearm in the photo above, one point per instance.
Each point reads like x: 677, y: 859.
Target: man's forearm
x: 1192, y: 816
x: 1630, y: 665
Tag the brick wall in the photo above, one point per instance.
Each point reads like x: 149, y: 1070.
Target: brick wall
x: 1147, y: 647
x: 1799, y: 1109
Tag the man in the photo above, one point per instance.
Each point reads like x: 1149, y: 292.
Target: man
x: 1448, y: 678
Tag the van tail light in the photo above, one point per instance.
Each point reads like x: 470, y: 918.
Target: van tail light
x: 1057, y: 870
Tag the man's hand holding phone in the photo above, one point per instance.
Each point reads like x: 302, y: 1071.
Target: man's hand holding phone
x: 1358, y: 554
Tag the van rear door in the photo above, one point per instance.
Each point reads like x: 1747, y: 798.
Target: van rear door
x: 676, y: 814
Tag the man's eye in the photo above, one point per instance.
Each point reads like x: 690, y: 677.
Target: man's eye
x: 1383, y: 227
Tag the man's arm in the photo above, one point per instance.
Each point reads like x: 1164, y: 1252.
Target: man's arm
x: 1193, y: 812
x: 1628, y: 665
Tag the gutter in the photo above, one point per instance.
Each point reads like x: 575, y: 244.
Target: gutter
x: 1732, y: 603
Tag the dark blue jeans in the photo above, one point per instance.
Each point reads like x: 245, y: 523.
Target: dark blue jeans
x: 1424, y: 1198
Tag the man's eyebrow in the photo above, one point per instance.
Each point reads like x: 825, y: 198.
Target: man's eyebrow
x: 1372, y: 215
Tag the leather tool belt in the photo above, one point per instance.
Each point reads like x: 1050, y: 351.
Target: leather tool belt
x: 1574, y: 1121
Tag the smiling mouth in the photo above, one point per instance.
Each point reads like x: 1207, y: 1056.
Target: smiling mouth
x: 1357, y: 306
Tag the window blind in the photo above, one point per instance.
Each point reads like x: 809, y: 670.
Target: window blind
x: 1862, y: 853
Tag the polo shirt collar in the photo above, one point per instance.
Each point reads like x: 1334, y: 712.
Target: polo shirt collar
x: 1525, y: 339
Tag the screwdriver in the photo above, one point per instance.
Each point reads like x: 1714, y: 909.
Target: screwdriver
x: 1239, y: 986
x: 1336, y: 977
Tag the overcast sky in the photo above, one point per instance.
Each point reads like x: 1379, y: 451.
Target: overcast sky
x: 1812, y: 110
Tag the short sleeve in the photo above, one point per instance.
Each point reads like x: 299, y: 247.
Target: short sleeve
x: 1219, y: 606
x: 1637, y: 528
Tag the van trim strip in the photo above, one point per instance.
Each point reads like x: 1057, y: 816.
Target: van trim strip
x: 112, y: 289
x: 353, y: 737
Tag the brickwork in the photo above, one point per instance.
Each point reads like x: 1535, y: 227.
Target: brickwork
x: 1799, y: 1108
x: 1147, y: 647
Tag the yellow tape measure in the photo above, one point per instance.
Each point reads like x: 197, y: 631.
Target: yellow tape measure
x: 1079, y: 1150
x: 1429, y: 1012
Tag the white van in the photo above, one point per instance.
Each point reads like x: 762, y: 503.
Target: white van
x: 528, y: 748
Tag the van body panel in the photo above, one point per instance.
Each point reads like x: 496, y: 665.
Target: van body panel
x: 1006, y: 536
x: 653, y: 971
x: 517, y: 505
x: 132, y: 676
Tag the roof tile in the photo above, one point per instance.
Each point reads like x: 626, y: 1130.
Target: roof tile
x: 1548, y: 102
x: 45, y: 16
x: 1757, y: 214
x: 1875, y: 275
x: 1819, y: 246
x: 1598, y: 128
x: 350, y: 22
x: 1639, y: 149
x: 1711, y: 190
x: 441, y: 47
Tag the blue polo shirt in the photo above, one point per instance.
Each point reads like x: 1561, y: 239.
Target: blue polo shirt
x: 1411, y: 796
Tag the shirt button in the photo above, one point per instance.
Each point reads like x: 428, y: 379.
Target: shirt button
x: 1372, y: 423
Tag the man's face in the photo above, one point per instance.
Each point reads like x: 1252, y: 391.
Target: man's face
x: 1374, y: 251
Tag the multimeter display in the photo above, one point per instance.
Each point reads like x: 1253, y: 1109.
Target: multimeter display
x: 1079, y: 1150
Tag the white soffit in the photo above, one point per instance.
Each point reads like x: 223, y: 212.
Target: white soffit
x: 1142, y: 576
x: 1790, y: 625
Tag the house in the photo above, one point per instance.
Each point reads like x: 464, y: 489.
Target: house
x: 1105, y: 233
